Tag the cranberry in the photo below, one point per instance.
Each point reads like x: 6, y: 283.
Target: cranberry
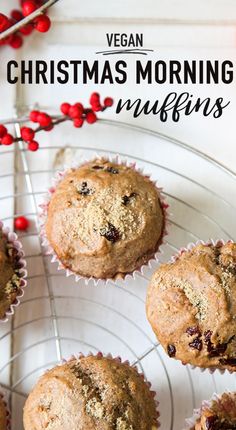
x: 7, y: 139
x: 75, y: 111
x: 65, y: 107
x: 21, y: 223
x: 91, y: 117
x: 42, y: 23
x: 171, y: 350
x: 126, y: 199
x: 193, y: 330
x: 85, y: 190
x: 231, y: 361
x: 4, y: 22
x: 78, y: 122
x: 27, y: 29
x: 34, y: 115
x: 33, y: 146
x: 111, y: 169
x: 16, y: 41
x: 44, y: 119
x: 94, y: 98
x: 3, y: 130
x: 16, y: 15
x: 110, y: 233
x: 108, y: 102
x: 28, y: 7
x: 217, y: 350
x: 97, y: 167
x: 196, y: 344
x: 210, y: 422
x: 27, y: 134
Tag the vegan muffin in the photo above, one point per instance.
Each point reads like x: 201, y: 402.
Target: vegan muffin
x: 191, y: 306
x: 10, y: 281
x: 104, y: 220
x: 3, y: 414
x: 91, y: 393
x: 218, y: 414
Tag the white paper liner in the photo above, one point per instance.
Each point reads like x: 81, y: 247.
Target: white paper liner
x: 21, y: 263
x: 43, y: 217
x: 7, y: 411
x: 191, y: 422
x: 126, y: 363
x: 174, y: 258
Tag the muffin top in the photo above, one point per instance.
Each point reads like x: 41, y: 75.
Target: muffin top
x: 219, y: 415
x: 91, y: 393
x: 191, y: 305
x: 104, y: 219
x: 9, y: 278
x: 3, y: 415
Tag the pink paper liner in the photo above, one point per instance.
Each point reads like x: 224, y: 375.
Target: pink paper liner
x: 21, y: 263
x: 126, y: 363
x: 2, y: 397
x: 50, y: 251
x: 174, y: 258
x: 191, y: 422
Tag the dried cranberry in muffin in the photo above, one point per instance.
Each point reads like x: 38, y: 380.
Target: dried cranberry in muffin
x: 3, y: 414
x: 104, y: 220
x: 217, y: 414
x: 91, y: 393
x: 191, y: 303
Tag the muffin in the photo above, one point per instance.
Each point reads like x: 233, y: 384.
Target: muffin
x: 3, y: 414
x: 104, y: 220
x: 91, y: 393
x: 218, y: 414
x: 10, y: 278
x: 191, y: 306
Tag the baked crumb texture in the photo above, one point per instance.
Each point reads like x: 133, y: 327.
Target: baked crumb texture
x: 9, y: 276
x: 219, y: 415
x: 3, y: 415
x: 191, y: 305
x: 104, y: 220
x: 94, y: 393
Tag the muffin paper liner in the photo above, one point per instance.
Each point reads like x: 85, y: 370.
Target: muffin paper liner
x: 191, y: 422
x: 43, y: 217
x: 127, y: 363
x: 2, y: 397
x: 174, y: 258
x: 12, y: 239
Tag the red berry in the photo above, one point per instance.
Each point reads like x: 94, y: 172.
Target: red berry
x: 42, y: 23
x: 16, y: 41
x: 27, y: 134
x: 34, y: 115
x: 78, y: 122
x: 27, y: 29
x: 3, y: 130
x: 108, y: 102
x: 91, y: 117
x: 7, y: 139
x: 94, y: 98
x: 4, y: 22
x: 21, y: 223
x: 33, y: 146
x: 65, y: 107
x: 44, y: 119
x: 28, y: 7
x: 16, y: 15
x: 76, y: 111
x: 49, y: 128
x: 96, y: 107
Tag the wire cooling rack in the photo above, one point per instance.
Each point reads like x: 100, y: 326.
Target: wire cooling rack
x: 58, y: 317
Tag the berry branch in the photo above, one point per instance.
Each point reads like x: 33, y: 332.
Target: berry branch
x: 41, y: 23
x: 75, y: 113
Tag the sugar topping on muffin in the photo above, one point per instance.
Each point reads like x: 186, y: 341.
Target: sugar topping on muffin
x: 91, y: 393
x: 191, y: 305
x: 104, y: 219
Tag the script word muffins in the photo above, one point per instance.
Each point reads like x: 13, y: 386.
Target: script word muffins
x: 191, y: 305
x: 91, y: 393
x: 104, y: 220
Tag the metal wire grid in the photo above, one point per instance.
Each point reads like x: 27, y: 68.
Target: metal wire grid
x: 22, y: 162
